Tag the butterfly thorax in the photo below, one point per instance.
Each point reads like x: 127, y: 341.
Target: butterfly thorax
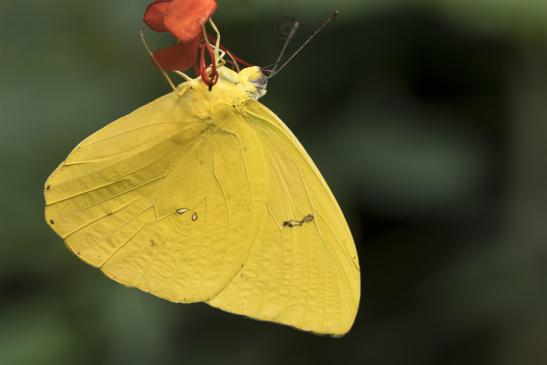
x: 232, y: 90
x: 249, y: 83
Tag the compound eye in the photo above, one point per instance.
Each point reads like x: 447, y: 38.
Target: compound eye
x: 260, y: 82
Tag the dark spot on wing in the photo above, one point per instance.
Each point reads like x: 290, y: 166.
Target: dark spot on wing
x: 296, y: 223
x: 181, y: 211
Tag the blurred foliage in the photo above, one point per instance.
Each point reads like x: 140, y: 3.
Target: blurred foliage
x: 428, y: 119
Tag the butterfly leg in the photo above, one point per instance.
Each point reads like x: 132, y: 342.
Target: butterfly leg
x: 217, y: 42
x: 221, y: 51
x: 165, y: 75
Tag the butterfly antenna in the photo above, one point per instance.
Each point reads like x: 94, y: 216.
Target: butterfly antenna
x: 294, y: 28
x: 323, y: 26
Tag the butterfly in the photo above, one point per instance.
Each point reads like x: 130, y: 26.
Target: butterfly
x: 205, y: 195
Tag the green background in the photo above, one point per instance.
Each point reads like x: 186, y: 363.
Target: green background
x: 427, y: 118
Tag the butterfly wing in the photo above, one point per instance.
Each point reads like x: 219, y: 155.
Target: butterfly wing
x: 303, y: 269
x: 225, y: 208
x: 161, y: 200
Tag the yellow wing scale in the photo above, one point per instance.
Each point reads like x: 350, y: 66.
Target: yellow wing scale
x: 209, y: 197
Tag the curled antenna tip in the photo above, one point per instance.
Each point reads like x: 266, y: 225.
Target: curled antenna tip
x: 295, y: 27
x: 296, y: 24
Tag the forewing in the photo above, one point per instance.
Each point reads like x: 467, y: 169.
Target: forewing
x: 303, y: 269
x: 160, y: 200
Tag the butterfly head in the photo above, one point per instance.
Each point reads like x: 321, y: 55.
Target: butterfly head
x: 254, y: 81
x: 250, y: 80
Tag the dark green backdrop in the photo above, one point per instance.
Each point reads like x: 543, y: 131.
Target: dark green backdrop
x: 427, y: 118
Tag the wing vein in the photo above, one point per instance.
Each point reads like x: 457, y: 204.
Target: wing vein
x: 98, y: 218
x: 129, y: 239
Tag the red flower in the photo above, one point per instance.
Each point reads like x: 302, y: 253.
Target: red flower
x: 184, y: 20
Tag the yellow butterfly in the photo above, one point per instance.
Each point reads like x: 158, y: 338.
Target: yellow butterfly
x: 206, y: 196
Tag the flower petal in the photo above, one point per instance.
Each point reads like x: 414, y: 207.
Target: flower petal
x: 179, y: 57
x: 155, y: 14
x: 184, y: 18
